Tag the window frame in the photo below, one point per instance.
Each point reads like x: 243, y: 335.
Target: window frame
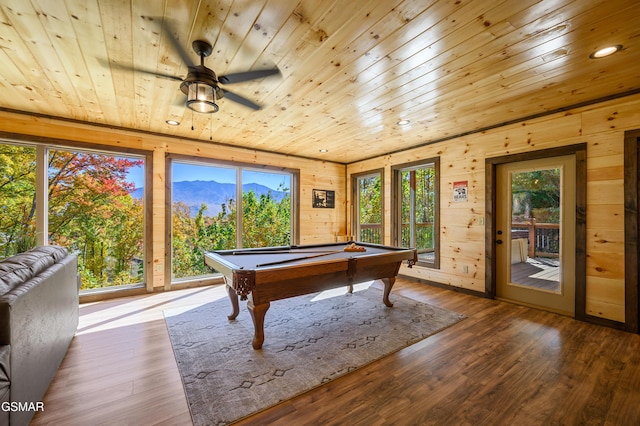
x: 355, y: 186
x: 43, y: 145
x: 396, y: 208
x: 170, y: 282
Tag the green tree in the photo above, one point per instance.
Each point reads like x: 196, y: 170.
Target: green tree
x: 370, y: 208
x: 183, y: 230
x: 192, y: 236
x: 418, y: 187
x: 369, y: 200
x: 536, y: 191
x: 266, y: 223
x: 17, y: 188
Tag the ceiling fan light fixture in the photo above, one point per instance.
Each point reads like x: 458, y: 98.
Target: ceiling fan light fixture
x: 201, y: 97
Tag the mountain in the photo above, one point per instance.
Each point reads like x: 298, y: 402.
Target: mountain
x: 212, y: 193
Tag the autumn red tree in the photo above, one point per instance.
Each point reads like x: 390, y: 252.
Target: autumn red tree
x: 91, y: 211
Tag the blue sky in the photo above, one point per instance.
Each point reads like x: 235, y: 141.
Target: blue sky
x: 190, y: 172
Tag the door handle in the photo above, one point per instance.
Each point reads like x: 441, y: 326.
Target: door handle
x: 498, y: 241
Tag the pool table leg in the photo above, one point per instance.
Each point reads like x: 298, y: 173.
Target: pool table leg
x: 235, y: 306
x: 257, y: 314
x: 388, y: 284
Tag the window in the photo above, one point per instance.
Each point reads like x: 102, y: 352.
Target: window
x: 202, y: 215
x: 91, y: 205
x: 266, y: 209
x: 17, y: 199
x: 205, y: 201
x: 368, y: 207
x: 416, y: 210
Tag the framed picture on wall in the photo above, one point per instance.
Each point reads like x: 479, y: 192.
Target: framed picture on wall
x: 324, y: 199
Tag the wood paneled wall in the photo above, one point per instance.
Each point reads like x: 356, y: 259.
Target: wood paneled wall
x: 462, y: 244
x: 462, y: 241
x: 316, y: 225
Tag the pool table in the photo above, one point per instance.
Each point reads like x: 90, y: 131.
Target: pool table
x: 262, y: 275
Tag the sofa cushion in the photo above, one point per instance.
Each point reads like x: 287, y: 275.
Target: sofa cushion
x: 11, y: 275
x: 56, y: 252
x: 24, y: 266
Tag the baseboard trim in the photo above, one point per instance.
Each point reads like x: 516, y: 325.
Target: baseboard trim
x: 444, y: 286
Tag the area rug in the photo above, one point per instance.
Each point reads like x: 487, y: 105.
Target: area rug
x: 309, y: 340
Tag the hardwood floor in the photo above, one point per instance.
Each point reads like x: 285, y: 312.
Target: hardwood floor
x: 503, y: 364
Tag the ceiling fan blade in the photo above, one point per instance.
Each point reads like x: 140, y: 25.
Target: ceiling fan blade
x: 247, y: 75
x: 115, y: 65
x: 241, y: 100
x: 171, y: 35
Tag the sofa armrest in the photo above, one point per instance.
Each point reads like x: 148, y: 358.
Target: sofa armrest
x: 43, y: 315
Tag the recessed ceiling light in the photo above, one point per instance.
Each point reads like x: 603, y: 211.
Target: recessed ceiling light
x: 605, y: 51
x: 323, y: 150
x: 172, y: 122
x: 403, y: 122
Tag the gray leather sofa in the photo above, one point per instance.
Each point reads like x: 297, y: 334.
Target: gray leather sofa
x: 38, y: 318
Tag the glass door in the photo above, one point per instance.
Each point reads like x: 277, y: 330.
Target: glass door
x: 535, y: 233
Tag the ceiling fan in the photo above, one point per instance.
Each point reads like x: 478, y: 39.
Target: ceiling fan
x: 201, y: 85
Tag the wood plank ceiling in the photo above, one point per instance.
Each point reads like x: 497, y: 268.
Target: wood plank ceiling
x: 350, y: 70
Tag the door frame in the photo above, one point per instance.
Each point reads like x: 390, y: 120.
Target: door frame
x: 560, y: 299
x: 631, y: 230
x: 580, y: 151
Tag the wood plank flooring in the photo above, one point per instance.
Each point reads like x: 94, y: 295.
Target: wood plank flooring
x: 503, y: 364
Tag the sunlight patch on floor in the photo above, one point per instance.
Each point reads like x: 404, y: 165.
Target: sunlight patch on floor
x: 341, y: 291
x: 110, y: 314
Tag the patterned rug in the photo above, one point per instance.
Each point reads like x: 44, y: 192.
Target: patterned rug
x: 309, y: 340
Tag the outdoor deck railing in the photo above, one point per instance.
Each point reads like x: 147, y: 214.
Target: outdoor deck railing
x: 372, y: 233
x: 544, y: 238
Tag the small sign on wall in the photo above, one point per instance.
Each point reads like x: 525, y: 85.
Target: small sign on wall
x: 324, y: 199
x: 460, y: 191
